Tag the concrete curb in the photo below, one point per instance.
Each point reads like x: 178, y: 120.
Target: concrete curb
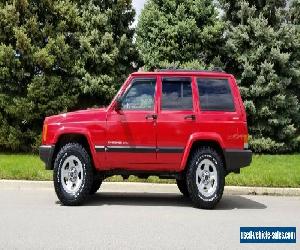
x: 262, y: 191
x: 23, y: 185
x: 137, y: 187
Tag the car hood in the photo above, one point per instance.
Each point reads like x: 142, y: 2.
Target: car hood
x: 95, y: 114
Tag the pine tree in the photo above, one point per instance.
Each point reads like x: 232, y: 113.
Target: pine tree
x: 181, y: 33
x: 294, y: 20
x: 56, y: 56
x: 36, y: 67
x: 262, y: 51
x: 107, y: 52
x: 294, y: 11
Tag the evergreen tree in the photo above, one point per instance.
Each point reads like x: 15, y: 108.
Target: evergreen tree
x: 294, y: 20
x: 107, y: 54
x: 179, y: 33
x: 56, y: 56
x: 262, y: 51
x: 294, y: 10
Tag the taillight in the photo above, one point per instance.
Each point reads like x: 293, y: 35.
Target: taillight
x: 45, y: 130
x: 246, y: 145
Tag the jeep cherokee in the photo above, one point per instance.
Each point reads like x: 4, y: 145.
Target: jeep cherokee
x: 181, y: 124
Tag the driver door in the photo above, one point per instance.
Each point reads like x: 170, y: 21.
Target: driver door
x: 131, y: 131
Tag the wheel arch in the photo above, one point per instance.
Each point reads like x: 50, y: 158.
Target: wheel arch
x: 197, y: 140
x: 80, y: 138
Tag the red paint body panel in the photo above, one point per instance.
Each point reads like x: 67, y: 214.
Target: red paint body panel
x: 130, y: 128
x: 167, y: 139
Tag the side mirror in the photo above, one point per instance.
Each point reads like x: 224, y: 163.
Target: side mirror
x: 118, y: 105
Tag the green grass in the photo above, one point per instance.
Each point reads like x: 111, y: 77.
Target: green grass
x: 23, y: 167
x: 265, y: 170
x: 269, y: 171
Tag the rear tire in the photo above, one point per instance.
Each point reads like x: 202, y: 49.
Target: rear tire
x: 95, y: 186
x: 182, y: 186
x: 205, y: 177
x: 73, y: 174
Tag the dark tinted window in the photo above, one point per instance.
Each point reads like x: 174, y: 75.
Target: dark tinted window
x: 140, y: 95
x: 176, y: 94
x: 215, y: 95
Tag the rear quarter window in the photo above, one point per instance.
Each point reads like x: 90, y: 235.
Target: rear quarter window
x: 215, y: 95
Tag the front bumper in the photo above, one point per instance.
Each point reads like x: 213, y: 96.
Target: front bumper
x: 236, y: 159
x: 46, y: 154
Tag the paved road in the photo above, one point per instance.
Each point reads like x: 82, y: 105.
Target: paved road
x: 34, y: 219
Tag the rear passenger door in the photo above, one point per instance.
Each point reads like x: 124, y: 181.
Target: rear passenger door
x: 219, y: 110
x: 176, y: 119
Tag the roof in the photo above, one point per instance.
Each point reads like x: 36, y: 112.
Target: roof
x: 216, y: 69
x: 182, y: 72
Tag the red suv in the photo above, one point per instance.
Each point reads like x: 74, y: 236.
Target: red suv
x: 187, y: 125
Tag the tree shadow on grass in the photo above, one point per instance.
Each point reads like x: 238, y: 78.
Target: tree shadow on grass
x: 228, y: 202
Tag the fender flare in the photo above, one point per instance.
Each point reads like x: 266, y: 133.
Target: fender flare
x: 65, y: 130
x: 196, y: 137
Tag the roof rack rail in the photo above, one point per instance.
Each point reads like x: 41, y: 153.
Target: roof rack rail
x: 216, y: 69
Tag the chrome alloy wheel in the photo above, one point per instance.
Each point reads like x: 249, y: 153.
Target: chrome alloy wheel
x: 206, y: 177
x: 71, y: 174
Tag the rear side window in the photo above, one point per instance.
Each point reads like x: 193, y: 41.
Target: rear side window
x: 215, y: 95
x: 176, y: 94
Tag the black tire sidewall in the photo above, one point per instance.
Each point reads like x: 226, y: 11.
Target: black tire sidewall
x: 95, y: 186
x: 182, y: 186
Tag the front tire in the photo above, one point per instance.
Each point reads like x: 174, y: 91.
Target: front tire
x: 205, y: 178
x: 73, y: 174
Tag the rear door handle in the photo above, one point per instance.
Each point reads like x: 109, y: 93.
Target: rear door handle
x: 151, y: 117
x: 190, y: 117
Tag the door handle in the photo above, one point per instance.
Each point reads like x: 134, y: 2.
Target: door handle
x: 151, y: 117
x: 190, y: 117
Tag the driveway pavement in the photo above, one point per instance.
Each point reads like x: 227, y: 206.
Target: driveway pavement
x: 143, y: 217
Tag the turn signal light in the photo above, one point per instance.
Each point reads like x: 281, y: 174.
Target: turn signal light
x: 45, y: 130
x: 246, y: 145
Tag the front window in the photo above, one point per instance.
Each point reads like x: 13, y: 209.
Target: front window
x: 140, y: 95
